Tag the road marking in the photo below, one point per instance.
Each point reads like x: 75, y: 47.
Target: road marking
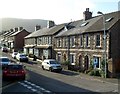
x: 33, y: 87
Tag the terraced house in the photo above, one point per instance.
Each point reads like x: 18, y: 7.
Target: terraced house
x: 14, y: 38
x: 83, y: 45
x: 41, y: 42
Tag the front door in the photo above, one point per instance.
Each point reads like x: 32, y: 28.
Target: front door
x: 80, y: 62
x: 86, y: 64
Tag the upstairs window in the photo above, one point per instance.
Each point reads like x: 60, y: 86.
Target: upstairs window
x: 49, y: 40
x: 72, y: 41
x: 97, y: 40
x: 81, y: 41
x: 87, y: 40
x: 65, y: 42
x: 59, y: 42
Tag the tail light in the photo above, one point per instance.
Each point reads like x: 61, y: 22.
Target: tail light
x: 5, y: 71
x: 22, y: 71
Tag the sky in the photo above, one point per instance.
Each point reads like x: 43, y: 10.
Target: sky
x: 59, y: 11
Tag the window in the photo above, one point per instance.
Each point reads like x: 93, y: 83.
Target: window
x: 97, y: 40
x: 40, y: 40
x: 72, y: 58
x: 81, y: 41
x: 49, y: 40
x: 87, y: 41
x: 59, y: 42
x: 65, y: 42
x: 72, y: 41
x: 96, y: 62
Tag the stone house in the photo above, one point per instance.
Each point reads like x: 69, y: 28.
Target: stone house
x: 41, y: 42
x: 83, y: 45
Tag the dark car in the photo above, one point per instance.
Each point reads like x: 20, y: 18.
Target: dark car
x: 16, y: 71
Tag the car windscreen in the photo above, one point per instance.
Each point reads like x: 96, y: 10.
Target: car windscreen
x: 14, y: 67
x: 22, y: 55
x: 53, y: 62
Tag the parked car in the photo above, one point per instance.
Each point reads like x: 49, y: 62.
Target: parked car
x: 4, y: 49
x: 21, y: 57
x: 14, y: 55
x: 4, y: 61
x: 51, y: 65
x: 14, y: 70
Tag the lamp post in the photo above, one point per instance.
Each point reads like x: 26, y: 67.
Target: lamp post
x: 104, y: 41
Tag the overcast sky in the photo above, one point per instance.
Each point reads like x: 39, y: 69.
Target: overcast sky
x: 60, y: 11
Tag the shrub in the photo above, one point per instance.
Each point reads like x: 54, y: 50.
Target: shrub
x: 91, y: 73
x: 94, y: 72
x: 65, y: 63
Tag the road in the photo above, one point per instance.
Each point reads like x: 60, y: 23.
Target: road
x: 40, y: 81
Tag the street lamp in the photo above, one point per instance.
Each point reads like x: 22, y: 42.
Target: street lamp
x: 104, y: 40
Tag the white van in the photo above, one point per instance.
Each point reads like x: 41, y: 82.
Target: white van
x: 51, y: 65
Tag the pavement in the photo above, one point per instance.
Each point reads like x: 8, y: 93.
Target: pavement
x: 97, y: 78
x: 86, y: 76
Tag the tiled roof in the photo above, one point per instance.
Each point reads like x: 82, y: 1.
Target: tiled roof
x: 98, y: 26
x: 46, y: 31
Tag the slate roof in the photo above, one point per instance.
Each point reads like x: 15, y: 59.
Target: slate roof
x: 46, y: 31
x: 94, y: 24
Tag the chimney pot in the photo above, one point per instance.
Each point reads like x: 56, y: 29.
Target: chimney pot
x: 20, y: 28
x: 87, y: 14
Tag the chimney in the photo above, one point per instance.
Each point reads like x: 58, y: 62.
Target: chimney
x: 50, y: 24
x: 15, y: 29
x: 20, y: 28
x: 11, y: 30
x: 87, y: 14
x: 37, y: 27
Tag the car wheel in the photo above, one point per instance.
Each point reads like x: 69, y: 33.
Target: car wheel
x: 43, y: 68
x: 50, y: 69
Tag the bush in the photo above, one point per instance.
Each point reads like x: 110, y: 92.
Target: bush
x: 91, y: 73
x: 65, y: 63
x: 94, y: 72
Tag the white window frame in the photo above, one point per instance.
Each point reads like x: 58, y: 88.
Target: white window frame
x: 96, y: 40
x: 87, y: 40
x: 81, y: 41
x: 74, y: 55
x: 72, y: 41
